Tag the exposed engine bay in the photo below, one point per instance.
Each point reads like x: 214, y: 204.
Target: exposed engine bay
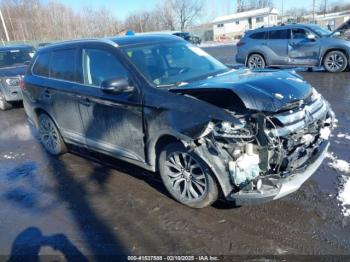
x: 270, y: 146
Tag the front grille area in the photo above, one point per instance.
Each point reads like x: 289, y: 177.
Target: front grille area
x: 299, y: 118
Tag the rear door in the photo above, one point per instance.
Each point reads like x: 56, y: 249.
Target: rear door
x: 303, y: 51
x: 53, y: 87
x: 278, y: 46
x: 113, y: 122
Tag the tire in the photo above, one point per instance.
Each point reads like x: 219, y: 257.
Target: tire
x: 195, y: 187
x: 4, y: 105
x: 335, y: 61
x: 50, y: 137
x: 256, y: 61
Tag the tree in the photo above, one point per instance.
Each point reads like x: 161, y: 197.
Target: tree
x: 186, y: 11
x: 246, y: 5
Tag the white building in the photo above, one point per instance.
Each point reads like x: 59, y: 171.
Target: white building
x: 332, y: 20
x: 233, y: 26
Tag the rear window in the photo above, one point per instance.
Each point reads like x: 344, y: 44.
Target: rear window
x: 15, y: 57
x: 41, y: 66
x: 260, y: 35
x: 63, y: 64
x: 279, y: 34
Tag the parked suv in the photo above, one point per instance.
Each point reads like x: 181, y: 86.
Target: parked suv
x: 161, y: 103
x: 293, y: 45
x: 13, y: 63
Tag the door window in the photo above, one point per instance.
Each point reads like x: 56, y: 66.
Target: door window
x: 300, y: 33
x: 63, y: 64
x: 100, y: 65
x: 279, y: 34
x: 41, y: 66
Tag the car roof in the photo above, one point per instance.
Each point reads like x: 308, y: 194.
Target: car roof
x: 15, y: 47
x: 119, y: 41
x: 287, y: 26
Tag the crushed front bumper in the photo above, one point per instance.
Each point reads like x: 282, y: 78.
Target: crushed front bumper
x: 273, y: 188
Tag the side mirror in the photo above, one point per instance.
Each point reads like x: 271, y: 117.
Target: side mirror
x: 311, y: 37
x: 26, y: 63
x: 336, y: 33
x: 116, y: 85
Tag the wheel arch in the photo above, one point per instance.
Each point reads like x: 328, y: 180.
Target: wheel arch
x: 38, y: 111
x: 219, y: 171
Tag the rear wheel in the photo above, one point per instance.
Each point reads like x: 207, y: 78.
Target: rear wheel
x: 50, y: 136
x: 256, y: 61
x: 187, y: 177
x: 4, y: 105
x: 335, y: 61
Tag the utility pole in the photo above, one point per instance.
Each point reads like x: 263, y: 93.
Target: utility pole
x: 313, y: 12
x: 4, y: 26
x: 282, y: 13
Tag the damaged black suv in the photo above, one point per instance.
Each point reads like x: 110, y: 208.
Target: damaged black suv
x: 161, y: 103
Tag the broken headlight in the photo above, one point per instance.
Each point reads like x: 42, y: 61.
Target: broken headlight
x: 229, y: 130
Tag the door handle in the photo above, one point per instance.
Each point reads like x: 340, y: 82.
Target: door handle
x: 85, y: 101
x: 47, y: 94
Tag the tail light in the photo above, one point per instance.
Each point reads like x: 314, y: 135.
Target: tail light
x: 240, y: 43
x: 22, y: 84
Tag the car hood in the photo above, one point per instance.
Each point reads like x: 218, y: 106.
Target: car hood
x: 264, y: 90
x: 13, y: 71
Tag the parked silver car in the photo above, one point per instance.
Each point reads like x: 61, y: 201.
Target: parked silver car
x: 305, y: 45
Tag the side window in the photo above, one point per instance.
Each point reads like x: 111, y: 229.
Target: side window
x: 41, y: 65
x: 63, y: 64
x: 260, y: 35
x: 100, y: 65
x: 279, y: 34
x: 299, y: 33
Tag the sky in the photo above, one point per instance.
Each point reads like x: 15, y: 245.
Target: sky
x: 122, y: 8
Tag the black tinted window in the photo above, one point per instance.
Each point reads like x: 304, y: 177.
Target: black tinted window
x: 63, y: 64
x: 260, y: 35
x: 100, y: 65
x: 41, y: 66
x: 300, y: 33
x: 279, y: 34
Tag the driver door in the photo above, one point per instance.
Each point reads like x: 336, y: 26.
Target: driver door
x: 302, y: 50
x: 113, y: 122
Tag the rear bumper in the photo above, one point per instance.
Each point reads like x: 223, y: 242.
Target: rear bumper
x: 273, y: 188
x: 12, y: 94
x: 240, y: 57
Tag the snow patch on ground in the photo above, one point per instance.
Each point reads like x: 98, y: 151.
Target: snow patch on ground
x: 216, y: 44
x: 342, y: 135
x: 11, y: 155
x: 19, y: 131
x: 344, y: 191
x: 344, y: 196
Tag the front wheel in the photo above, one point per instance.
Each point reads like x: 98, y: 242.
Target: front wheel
x: 256, y: 61
x: 335, y: 62
x: 4, y: 105
x: 187, y: 177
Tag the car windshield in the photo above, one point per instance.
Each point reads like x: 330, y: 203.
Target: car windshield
x: 320, y: 30
x: 15, y: 57
x: 173, y: 64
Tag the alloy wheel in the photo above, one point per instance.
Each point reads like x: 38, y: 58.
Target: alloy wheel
x: 335, y: 62
x: 186, y: 175
x: 48, y: 135
x: 256, y: 61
